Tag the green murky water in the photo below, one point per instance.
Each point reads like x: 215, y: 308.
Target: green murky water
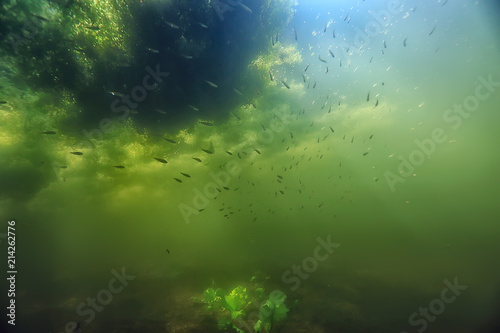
x: 263, y: 166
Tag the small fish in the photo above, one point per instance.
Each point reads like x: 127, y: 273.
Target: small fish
x: 368, y: 97
x: 371, y: 60
x: 404, y: 42
x: 237, y: 91
x: 204, y: 26
x: 168, y: 251
x: 41, y: 18
x: 291, y: 135
x: 257, y: 151
x: 444, y: 3
x: 321, y: 59
x: 185, y: 175
x: 364, y: 154
x: 314, y: 86
x: 229, y: 153
x: 245, y: 8
x: 430, y: 33
x: 161, y: 160
x: 340, y: 63
x: 206, y: 123
x: 376, y: 104
x: 285, y: 84
x: 327, y: 69
x: 333, y: 32
x: 3, y: 102
x: 186, y: 56
x: 305, y: 70
x: 207, y: 151
x: 178, y: 180
x: 76, y: 153
x: 170, y: 140
x: 271, y: 76
x: 352, y: 140
x: 304, y: 78
x: 276, y: 39
x: 325, y: 28
x: 371, y: 136
x: 295, y: 30
x: 282, y: 192
x: 119, y: 166
x: 152, y: 50
x: 331, y: 53
x: 330, y: 110
x: 92, y: 27
x: 236, y: 115
x: 332, y: 129
x: 385, y: 45
x: 211, y: 84
x: 171, y: 25
x: 196, y: 159
x: 117, y: 94
x: 193, y: 107
x: 263, y: 127
x: 280, y: 177
x: 226, y: 188
x: 63, y: 166
x: 49, y: 132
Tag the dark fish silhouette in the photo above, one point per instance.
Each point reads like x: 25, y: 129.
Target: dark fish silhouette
x: 169, y: 140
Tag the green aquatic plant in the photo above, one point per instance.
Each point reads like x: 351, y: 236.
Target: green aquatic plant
x: 227, y: 308
x: 232, y: 309
x: 273, y: 310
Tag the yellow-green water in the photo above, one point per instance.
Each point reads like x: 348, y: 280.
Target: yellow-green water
x: 400, y: 230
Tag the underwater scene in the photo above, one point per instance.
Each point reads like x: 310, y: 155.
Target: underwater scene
x: 284, y: 166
